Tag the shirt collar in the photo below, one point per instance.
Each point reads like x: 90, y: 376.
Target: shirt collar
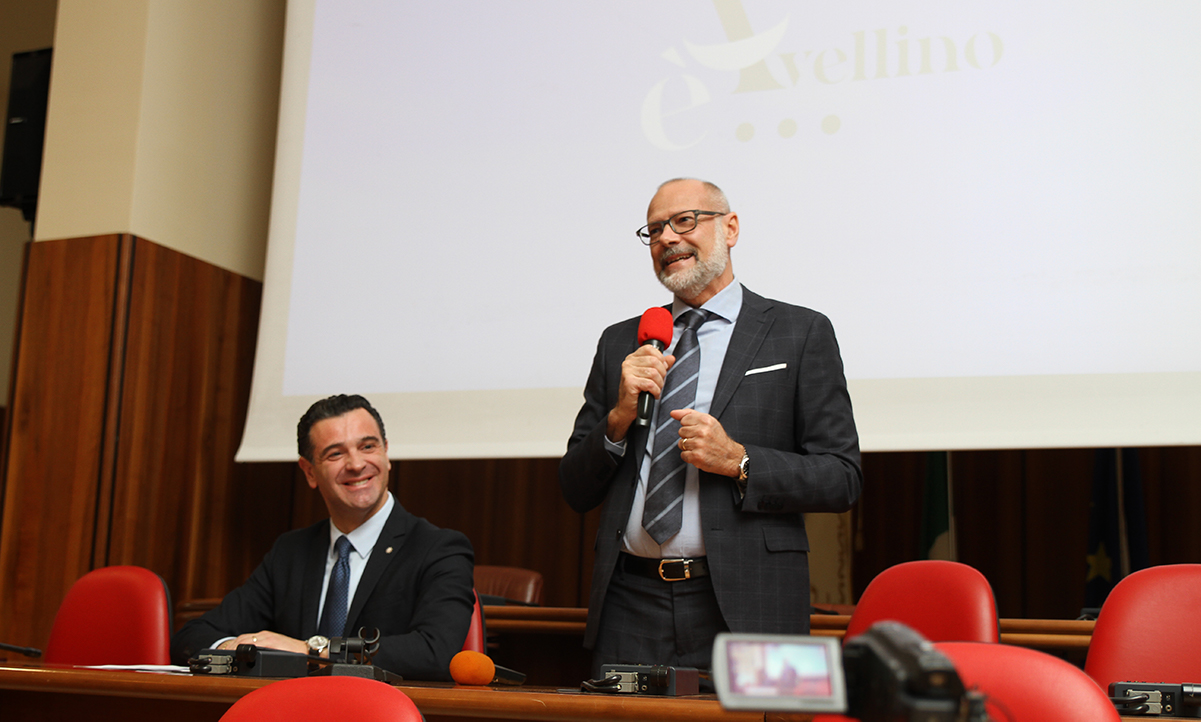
x: 726, y: 303
x: 364, y: 538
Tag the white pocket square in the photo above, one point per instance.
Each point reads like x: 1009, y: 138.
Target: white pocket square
x: 765, y: 369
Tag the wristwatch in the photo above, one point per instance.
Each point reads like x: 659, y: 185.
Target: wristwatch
x: 744, y: 468
x: 317, y: 644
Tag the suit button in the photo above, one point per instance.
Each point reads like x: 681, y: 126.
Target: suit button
x: 619, y: 533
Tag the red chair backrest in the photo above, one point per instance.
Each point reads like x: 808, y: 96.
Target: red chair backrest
x: 1028, y: 685
x: 324, y: 698
x: 515, y: 583
x: 1147, y: 630
x: 943, y: 601
x: 476, y: 638
x: 113, y: 615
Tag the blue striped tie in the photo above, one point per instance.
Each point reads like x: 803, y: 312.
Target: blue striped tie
x: 337, y: 602
x: 665, y: 488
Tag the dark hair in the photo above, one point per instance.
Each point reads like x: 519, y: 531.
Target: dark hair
x: 329, y: 408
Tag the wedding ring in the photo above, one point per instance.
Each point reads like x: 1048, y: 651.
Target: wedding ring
x: 683, y: 444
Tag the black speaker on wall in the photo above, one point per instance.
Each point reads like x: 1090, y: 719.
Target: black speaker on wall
x: 25, y: 131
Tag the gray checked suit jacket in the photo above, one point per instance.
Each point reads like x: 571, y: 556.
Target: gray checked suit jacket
x: 796, y: 424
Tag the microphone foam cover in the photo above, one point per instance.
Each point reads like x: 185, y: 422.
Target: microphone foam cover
x: 655, y: 324
x: 468, y: 667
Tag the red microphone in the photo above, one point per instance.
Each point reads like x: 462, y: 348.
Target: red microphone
x: 474, y: 668
x: 655, y: 328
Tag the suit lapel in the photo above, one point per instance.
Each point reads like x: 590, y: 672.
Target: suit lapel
x: 752, y: 328
x: 314, y: 576
x: 391, y: 539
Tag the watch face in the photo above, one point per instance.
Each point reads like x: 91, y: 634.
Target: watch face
x: 318, y: 642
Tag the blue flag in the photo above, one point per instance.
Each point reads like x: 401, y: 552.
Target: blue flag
x: 1117, y: 524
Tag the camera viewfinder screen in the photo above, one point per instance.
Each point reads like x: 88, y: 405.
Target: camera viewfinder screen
x: 779, y: 669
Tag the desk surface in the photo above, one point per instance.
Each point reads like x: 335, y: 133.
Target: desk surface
x: 50, y: 693
x: 179, y: 692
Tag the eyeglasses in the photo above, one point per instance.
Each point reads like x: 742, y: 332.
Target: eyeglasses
x: 682, y: 222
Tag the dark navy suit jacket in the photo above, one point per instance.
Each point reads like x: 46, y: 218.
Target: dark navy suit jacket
x: 416, y: 589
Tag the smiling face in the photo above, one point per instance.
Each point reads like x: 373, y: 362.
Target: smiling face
x: 695, y: 265
x: 349, y: 467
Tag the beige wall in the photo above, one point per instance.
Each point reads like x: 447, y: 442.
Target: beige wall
x: 24, y: 25
x: 162, y: 124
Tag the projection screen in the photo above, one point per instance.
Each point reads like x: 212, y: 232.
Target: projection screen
x: 998, y: 205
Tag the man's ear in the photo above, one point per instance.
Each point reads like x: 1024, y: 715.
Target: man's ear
x: 731, y: 230
x: 310, y: 474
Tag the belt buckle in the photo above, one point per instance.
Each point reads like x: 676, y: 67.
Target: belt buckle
x: 687, y: 571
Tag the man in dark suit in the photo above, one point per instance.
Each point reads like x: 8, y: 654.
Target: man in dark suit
x: 766, y: 435
x: 399, y: 574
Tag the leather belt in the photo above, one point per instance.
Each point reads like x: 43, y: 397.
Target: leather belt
x: 668, y: 570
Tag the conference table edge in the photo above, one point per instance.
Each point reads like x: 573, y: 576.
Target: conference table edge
x: 541, y: 704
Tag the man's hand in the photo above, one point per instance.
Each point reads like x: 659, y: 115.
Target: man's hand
x: 267, y: 640
x: 705, y: 444
x: 643, y: 370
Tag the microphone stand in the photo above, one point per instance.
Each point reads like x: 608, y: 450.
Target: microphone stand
x: 27, y: 651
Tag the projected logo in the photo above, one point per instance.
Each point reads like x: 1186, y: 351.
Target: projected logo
x: 763, y: 64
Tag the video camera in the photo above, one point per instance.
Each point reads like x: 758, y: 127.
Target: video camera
x: 889, y: 673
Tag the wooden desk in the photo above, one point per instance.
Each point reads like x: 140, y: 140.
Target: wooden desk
x: 547, y: 642
x: 65, y: 693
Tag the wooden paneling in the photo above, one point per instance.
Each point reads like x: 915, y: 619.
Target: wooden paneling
x: 182, y: 507
x: 1172, y: 488
x: 130, y: 388
x: 57, y: 429
x: 1022, y: 519
x: 511, y: 509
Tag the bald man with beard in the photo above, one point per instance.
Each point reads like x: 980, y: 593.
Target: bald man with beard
x: 769, y: 437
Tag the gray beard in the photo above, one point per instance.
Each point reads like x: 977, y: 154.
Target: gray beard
x: 688, y: 284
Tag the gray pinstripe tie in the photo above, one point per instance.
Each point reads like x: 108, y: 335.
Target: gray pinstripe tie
x: 665, y: 488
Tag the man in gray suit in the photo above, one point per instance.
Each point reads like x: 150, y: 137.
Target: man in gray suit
x: 714, y: 538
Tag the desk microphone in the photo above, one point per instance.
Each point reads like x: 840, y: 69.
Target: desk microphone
x: 474, y: 668
x: 655, y: 328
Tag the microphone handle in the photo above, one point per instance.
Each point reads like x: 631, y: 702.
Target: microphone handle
x: 646, y: 401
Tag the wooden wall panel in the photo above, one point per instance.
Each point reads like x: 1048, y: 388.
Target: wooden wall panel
x: 1172, y: 489
x: 511, y: 509
x: 1022, y: 519
x: 130, y: 388
x: 182, y: 507
x: 1058, y: 490
x: 57, y: 430
x: 887, y: 517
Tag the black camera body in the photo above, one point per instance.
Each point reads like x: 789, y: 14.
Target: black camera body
x: 894, y: 673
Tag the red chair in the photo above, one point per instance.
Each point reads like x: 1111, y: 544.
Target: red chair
x: 1147, y: 631
x: 113, y: 615
x: 510, y: 583
x: 1028, y: 685
x: 476, y: 635
x: 943, y: 601
x: 320, y: 699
